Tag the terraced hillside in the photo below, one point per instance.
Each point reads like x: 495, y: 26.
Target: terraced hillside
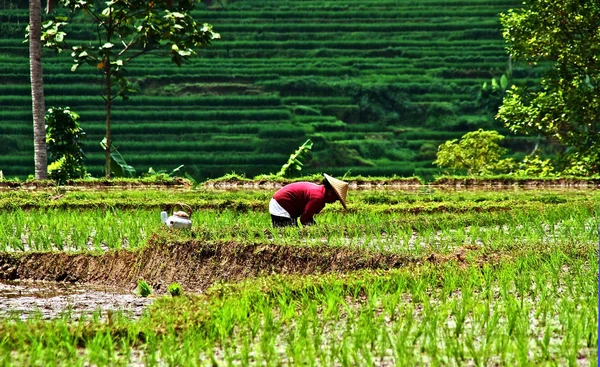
x: 376, y: 84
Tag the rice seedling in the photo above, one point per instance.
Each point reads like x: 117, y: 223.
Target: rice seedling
x: 501, y: 279
x: 175, y: 289
x: 143, y: 288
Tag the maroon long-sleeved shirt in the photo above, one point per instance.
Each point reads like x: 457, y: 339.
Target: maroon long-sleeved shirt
x: 301, y: 199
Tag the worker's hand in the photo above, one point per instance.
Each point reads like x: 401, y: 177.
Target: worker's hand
x: 310, y: 223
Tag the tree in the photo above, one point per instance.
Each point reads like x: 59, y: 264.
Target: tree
x: 477, y: 152
x: 37, y: 89
x: 565, y: 35
x: 126, y: 30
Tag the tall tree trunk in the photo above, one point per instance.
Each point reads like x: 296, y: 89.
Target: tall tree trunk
x: 37, y: 90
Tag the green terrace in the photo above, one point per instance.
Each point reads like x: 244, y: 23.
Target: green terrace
x: 377, y: 86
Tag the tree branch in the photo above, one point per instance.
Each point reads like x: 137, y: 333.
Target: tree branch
x: 143, y: 51
x: 127, y: 46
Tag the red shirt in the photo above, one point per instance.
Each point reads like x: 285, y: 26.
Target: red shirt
x: 301, y: 199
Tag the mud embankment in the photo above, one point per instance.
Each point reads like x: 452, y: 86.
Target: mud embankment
x: 197, y: 265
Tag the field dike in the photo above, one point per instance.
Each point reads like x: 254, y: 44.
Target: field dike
x: 196, y: 265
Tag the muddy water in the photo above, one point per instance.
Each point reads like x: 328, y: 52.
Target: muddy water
x: 52, y: 299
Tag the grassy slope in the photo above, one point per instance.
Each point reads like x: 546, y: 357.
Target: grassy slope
x: 284, y: 71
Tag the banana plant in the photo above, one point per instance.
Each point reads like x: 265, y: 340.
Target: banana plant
x: 294, y: 163
x: 118, y: 166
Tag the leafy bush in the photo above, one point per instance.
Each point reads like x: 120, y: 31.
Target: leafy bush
x: 65, y: 148
x: 477, y: 152
x: 534, y: 166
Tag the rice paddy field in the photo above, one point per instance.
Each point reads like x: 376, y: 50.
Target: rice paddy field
x: 427, y: 276
x: 377, y: 85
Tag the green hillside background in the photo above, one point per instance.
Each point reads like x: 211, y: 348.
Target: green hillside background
x: 376, y: 85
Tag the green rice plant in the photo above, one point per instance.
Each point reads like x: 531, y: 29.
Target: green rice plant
x: 143, y: 288
x: 362, y: 331
x: 175, y: 289
x: 527, y: 223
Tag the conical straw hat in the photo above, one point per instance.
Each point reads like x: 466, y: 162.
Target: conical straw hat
x: 340, y: 187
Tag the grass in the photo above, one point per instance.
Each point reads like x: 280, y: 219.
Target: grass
x: 499, y: 278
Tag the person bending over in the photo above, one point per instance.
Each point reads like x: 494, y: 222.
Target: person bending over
x: 305, y: 199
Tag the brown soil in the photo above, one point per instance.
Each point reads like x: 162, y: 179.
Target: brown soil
x: 197, y: 265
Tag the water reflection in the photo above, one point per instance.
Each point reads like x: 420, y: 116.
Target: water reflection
x: 52, y: 299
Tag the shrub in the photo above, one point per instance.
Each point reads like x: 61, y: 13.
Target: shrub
x: 65, y: 148
x: 534, y: 166
x: 477, y: 152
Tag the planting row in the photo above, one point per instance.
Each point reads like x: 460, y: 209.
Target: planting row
x: 396, y: 222
x: 487, y: 277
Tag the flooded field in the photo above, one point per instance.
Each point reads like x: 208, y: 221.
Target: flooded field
x: 402, y: 277
x: 50, y: 300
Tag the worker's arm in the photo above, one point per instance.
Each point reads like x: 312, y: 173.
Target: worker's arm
x: 312, y: 207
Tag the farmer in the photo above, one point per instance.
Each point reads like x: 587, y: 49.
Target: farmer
x: 305, y: 199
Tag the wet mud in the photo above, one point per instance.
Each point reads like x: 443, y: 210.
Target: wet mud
x: 52, y: 283
x: 196, y: 266
x: 48, y: 300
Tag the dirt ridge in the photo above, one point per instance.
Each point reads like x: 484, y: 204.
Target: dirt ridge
x: 194, y: 265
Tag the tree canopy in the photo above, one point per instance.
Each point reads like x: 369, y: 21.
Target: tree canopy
x: 127, y: 29
x: 564, y: 34
x: 477, y: 152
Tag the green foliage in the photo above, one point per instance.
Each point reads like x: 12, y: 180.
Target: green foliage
x: 163, y: 172
x: 175, y: 289
x: 118, y: 166
x: 477, y: 152
x: 9, y: 144
x: 144, y: 289
x: 490, y: 97
x: 294, y: 163
x: 305, y: 110
x: 126, y: 30
x: 564, y: 35
x: 65, y: 147
x: 57, y: 171
x: 534, y: 166
x: 140, y: 27
x: 385, y: 104
x: 582, y: 163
